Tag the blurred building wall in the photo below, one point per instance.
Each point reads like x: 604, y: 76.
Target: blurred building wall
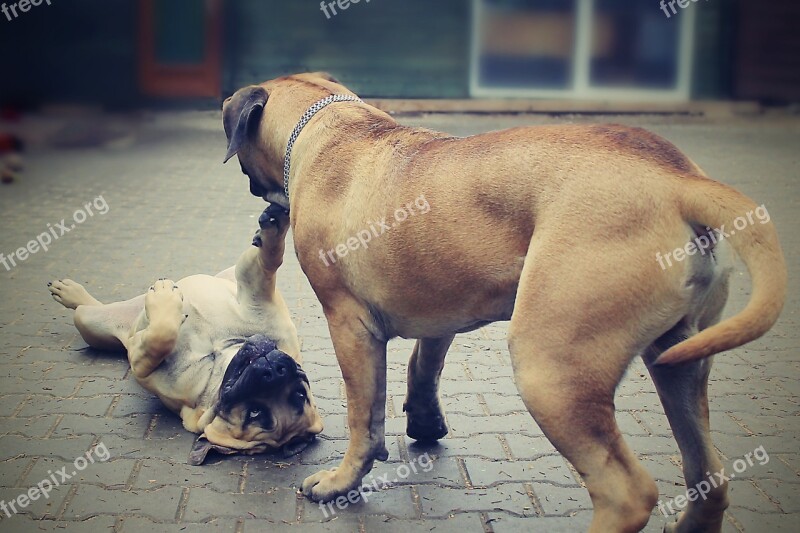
x: 72, y: 51
x: 90, y: 51
x: 388, y: 48
x: 768, y: 51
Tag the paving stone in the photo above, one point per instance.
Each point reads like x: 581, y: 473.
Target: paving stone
x: 785, y: 495
x: 341, y: 524
x: 25, y: 524
x: 507, y: 524
x: 66, y: 449
x: 40, y: 405
x: 11, y: 470
x: 205, y: 504
x: 468, y: 404
x: 160, y: 504
x: 221, y: 476
x: 137, y: 524
x: 35, y: 426
x: 527, y: 446
x: 129, y: 405
x: 560, y: 501
x: 662, y: 468
x: 174, y: 450
x: 477, y: 446
x: 549, y: 469
x: 462, y: 426
x: 440, y: 502
x: 758, y: 522
x: 53, y: 387
x: 133, y: 426
x: 503, y: 404
x: 263, y: 476
x: 96, y: 386
x: 422, y: 469
x: 113, y: 473
x: 466, y: 522
x: 43, y: 507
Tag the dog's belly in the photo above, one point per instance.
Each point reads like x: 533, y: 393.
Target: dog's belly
x: 455, y: 302
x: 447, y: 321
x: 215, y: 328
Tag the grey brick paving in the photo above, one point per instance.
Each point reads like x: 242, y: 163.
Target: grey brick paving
x: 175, y: 211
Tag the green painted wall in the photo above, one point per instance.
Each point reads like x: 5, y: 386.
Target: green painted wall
x: 388, y: 48
x: 76, y: 51
x: 715, y: 45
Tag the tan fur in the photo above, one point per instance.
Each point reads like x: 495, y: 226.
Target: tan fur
x: 555, y: 228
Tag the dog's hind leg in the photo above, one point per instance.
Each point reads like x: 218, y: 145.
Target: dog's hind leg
x: 683, y: 390
x: 425, y: 420
x: 102, y: 326
x: 570, y: 343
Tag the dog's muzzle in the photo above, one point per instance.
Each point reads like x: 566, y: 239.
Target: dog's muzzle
x: 256, y: 189
x: 258, y: 370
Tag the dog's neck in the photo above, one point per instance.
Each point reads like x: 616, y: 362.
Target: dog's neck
x: 278, y: 198
x: 305, y: 119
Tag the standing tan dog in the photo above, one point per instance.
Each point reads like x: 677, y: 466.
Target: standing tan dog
x: 556, y: 228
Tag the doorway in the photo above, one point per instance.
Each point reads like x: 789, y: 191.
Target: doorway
x: 180, y: 48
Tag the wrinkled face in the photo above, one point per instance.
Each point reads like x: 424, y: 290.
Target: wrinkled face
x: 265, y: 403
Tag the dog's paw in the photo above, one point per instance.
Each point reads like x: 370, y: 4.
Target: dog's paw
x: 164, y: 302
x: 273, y: 216
x: 426, y: 430
x: 70, y: 294
x: 273, y: 221
x: 327, y: 485
x: 425, y: 425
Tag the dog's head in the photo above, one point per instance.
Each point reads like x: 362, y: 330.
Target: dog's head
x: 258, y: 121
x: 264, y: 404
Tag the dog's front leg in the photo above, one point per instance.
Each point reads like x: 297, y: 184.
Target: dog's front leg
x: 148, y: 348
x: 362, y: 359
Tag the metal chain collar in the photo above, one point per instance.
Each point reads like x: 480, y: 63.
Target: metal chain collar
x: 307, y: 116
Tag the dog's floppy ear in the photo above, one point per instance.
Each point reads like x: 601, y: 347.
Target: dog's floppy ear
x: 241, y: 114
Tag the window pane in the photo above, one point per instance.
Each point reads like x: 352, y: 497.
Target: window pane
x: 634, y: 45
x: 527, y: 43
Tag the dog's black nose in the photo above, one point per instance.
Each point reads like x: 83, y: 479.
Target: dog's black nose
x: 276, y: 368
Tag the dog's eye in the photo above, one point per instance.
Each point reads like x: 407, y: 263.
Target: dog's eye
x: 253, y: 414
x: 300, y: 393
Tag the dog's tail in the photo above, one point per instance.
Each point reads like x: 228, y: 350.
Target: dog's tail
x: 715, y: 205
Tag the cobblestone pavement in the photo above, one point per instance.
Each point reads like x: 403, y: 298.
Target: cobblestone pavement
x: 175, y: 211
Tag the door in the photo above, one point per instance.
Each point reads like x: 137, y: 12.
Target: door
x: 180, y: 48
x: 591, y: 49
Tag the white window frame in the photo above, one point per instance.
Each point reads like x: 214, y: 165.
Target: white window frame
x: 582, y: 89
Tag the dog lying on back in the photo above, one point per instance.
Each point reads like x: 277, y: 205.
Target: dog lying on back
x: 221, y: 351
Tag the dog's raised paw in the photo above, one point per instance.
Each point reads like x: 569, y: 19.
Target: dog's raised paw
x: 164, y: 301
x: 273, y: 215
